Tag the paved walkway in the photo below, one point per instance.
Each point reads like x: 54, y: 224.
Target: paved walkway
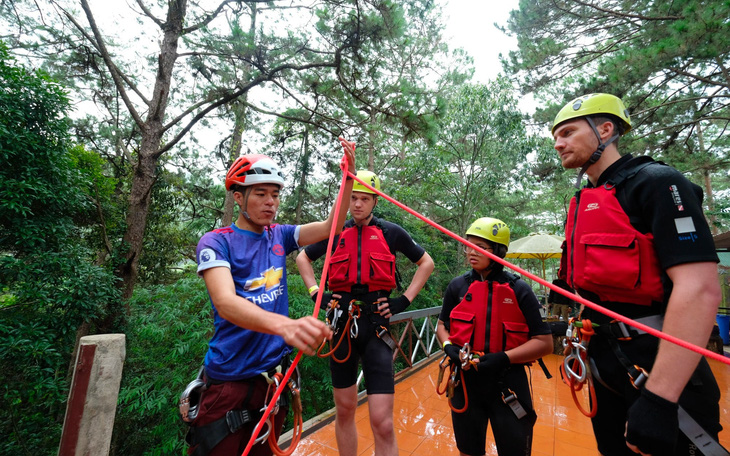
x: 423, y: 422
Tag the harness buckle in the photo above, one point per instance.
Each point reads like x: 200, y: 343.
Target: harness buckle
x: 385, y: 336
x: 236, y: 419
x: 511, y: 401
x: 637, y: 381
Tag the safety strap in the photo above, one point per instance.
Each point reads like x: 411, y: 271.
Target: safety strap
x: 544, y: 368
x: 207, y: 437
x: 688, y: 425
x: 510, y: 398
x: 701, y: 439
x: 616, y: 331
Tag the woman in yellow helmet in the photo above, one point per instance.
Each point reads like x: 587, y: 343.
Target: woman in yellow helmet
x: 497, y: 315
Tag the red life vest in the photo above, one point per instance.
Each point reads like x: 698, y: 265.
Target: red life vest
x: 488, y: 308
x: 362, y: 257
x: 606, y: 255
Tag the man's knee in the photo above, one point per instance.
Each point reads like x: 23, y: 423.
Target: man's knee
x: 383, y: 427
x: 345, y: 402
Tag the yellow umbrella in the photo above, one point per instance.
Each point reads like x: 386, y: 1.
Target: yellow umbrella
x: 537, y: 246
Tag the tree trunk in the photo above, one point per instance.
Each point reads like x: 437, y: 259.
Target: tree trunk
x: 145, y: 172
x: 303, y: 179
x: 708, y: 182
x: 239, y: 126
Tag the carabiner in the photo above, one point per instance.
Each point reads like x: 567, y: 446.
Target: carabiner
x: 575, y: 354
x: 265, y: 435
x: 465, y: 355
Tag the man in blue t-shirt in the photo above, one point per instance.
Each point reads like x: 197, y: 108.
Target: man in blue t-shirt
x: 244, y: 268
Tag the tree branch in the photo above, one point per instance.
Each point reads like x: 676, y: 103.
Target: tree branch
x: 98, y: 43
x: 149, y: 14
x: 627, y: 15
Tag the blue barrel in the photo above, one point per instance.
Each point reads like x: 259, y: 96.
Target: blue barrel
x: 723, y: 323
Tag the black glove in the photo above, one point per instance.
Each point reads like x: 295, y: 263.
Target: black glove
x: 652, y: 424
x: 493, y: 362
x: 452, y: 351
x: 398, y: 305
x: 326, y: 298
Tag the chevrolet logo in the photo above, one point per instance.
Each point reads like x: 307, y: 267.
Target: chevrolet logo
x: 270, y: 278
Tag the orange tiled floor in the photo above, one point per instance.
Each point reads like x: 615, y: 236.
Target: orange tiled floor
x: 423, y: 423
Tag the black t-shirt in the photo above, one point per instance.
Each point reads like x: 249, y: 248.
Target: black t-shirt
x: 661, y: 201
x: 526, y: 299
x: 397, y: 238
x: 556, y: 298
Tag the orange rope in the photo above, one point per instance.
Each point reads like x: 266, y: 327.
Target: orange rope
x: 345, y: 334
x: 466, y: 397
x: 298, y: 426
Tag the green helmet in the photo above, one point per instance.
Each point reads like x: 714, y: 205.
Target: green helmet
x: 368, y: 176
x: 491, y: 229
x: 594, y: 104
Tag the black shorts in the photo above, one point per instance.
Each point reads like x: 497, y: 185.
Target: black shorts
x: 700, y: 397
x: 375, y: 354
x: 512, y: 436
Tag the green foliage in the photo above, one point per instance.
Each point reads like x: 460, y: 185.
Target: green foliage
x: 667, y: 60
x: 167, y: 335
x: 51, y: 290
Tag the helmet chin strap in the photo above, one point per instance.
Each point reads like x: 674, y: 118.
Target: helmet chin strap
x: 596, y: 155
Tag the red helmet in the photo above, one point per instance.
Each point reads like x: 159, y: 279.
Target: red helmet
x: 254, y: 169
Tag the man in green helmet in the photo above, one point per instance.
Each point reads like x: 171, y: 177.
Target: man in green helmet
x: 637, y: 243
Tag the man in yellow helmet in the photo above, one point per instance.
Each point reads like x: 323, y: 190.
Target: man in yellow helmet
x: 498, y: 315
x: 637, y: 243
x: 362, y: 274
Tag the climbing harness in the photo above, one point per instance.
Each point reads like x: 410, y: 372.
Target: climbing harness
x: 205, y: 438
x: 575, y: 369
x: 351, y: 330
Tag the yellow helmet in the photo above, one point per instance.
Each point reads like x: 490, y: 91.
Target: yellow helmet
x: 368, y: 176
x: 594, y: 104
x: 491, y: 229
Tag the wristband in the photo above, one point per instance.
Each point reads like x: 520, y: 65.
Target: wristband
x: 446, y: 342
x: 313, y: 288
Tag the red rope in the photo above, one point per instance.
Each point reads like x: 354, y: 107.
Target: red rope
x: 590, y: 304
x: 587, y: 303
x: 315, y: 313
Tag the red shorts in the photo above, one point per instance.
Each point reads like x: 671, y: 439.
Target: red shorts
x: 220, y: 398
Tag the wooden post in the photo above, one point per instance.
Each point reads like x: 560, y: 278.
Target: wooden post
x: 92, y: 401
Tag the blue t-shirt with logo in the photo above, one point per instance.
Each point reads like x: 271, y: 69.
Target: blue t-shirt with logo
x: 258, y: 266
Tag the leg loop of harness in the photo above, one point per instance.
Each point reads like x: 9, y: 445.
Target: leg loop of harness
x: 205, y: 438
